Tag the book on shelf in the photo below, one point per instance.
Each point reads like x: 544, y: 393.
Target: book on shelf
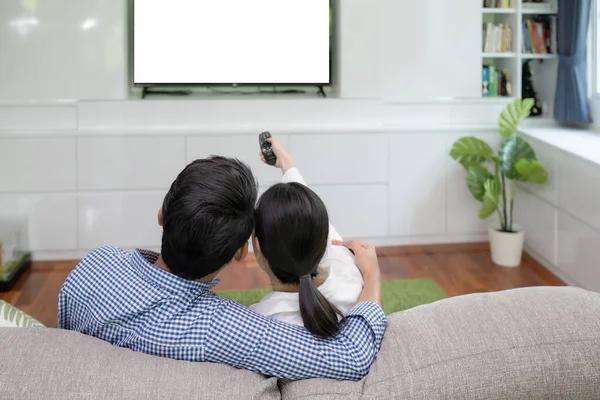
x: 497, y: 38
x: 496, y: 4
x: 539, y: 35
x: 494, y: 82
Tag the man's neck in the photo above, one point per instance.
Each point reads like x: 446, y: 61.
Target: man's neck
x: 161, y: 264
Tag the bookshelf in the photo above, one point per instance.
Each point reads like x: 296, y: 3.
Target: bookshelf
x: 511, y: 44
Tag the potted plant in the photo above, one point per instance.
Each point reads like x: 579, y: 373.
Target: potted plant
x: 492, y: 177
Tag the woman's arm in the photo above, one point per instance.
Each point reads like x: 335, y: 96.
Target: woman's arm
x: 291, y: 174
x: 366, y: 261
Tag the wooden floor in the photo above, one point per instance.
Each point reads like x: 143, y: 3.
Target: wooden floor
x: 458, y: 269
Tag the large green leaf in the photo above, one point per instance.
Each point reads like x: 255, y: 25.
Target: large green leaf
x: 531, y: 171
x: 513, y: 115
x: 469, y: 151
x: 491, y: 198
x: 476, y: 178
x: 511, y: 151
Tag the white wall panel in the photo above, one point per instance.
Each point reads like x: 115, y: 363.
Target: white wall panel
x: 129, y: 163
x: 127, y: 219
x: 51, y: 219
x: 417, y: 184
x: 357, y: 211
x: 352, y: 158
x: 243, y: 147
x: 37, y: 164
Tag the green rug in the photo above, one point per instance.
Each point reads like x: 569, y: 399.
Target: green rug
x: 398, y: 295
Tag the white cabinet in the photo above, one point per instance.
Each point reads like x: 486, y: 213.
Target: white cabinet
x: 579, y: 252
x: 418, y: 184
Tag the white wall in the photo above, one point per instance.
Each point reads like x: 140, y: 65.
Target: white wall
x: 92, y: 170
x: 55, y: 49
x: 385, y: 49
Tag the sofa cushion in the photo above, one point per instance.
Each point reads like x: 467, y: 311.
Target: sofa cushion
x: 57, y: 364
x: 12, y: 317
x: 533, y: 343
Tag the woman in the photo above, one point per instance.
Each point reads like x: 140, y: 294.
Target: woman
x: 314, y: 282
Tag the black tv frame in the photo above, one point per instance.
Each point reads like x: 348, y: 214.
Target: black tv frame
x: 146, y: 86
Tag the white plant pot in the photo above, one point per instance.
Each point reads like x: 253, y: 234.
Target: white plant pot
x: 506, y: 248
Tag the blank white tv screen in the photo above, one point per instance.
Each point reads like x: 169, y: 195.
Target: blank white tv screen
x: 246, y: 42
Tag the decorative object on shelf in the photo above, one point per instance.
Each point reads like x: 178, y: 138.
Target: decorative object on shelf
x: 505, y: 85
x: 528, y: 90
x: 515, y: 161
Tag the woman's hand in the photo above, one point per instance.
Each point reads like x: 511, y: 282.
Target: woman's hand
x: 365, y: 255
x: 284, y: 160
x: 366, y: 260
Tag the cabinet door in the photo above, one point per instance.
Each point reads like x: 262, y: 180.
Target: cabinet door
x: 433, y: 49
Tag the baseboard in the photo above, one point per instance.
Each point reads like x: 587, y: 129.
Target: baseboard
x: 418, y: 240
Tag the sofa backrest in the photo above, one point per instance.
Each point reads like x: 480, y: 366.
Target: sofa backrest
x: 534, y: 343
x: 44, y: 363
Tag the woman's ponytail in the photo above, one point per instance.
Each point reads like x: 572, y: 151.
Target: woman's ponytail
x: 319, y: 316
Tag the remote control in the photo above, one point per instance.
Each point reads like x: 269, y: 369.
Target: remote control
x: 265, y: 148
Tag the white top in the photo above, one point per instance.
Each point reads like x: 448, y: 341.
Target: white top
x: 342, y: 287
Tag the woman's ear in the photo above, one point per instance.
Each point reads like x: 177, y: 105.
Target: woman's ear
x: 241, y: 253
x: 160, y: 217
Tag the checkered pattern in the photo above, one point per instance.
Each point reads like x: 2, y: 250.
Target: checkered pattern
x: 124, y: 299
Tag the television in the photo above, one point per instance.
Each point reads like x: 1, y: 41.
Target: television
x: 231, y: 42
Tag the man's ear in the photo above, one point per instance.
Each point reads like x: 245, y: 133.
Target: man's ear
x: 160, y: 217
x: 241, y: 253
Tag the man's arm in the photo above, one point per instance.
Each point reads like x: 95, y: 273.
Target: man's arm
x: 244, y: 339
x: 63, y: 311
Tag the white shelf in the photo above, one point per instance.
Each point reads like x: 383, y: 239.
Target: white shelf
x: 512, y: 62
x: 534, y: 11
x: 498, y: 10
x: 499, y: 99
x: 498, y: 55
x: 526, y: 56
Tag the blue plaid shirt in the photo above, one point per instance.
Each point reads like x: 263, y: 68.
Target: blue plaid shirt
x: 124, y: 299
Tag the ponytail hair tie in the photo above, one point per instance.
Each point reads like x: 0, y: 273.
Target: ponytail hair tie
x: 307, y: 277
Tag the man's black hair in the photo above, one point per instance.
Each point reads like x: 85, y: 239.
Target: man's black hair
x: 208, y: 214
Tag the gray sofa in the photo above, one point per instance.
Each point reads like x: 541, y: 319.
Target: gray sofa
x: 534, y: 343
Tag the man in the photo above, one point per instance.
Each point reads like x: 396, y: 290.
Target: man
x: 161, y: 304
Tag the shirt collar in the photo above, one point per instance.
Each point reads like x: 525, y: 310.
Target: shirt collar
x: 143, y: 262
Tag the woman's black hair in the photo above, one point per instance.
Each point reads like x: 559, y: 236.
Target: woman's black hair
x: 292, y: 227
